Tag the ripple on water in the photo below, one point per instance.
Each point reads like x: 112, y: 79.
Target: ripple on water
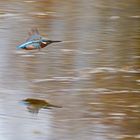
x: 59, y: 79
x: 27, y: 55
x: 92, y: 91
x: 125, y: 136
x: 29, y: 1
x: 114, y: 17
x: 118, y: 115
x: 108, y: 70
x: 68, y: 51
x: 136, y: 16
x: 10, y: 15
x: 33, y: 53
x: 118, y: 17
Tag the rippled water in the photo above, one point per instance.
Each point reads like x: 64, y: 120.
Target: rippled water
x: 94, y: 74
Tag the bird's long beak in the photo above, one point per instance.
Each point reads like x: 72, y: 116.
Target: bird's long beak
x: 55, y: 41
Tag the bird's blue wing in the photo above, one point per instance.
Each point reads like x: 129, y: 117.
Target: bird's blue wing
x: 34, y: 43
x: 34, y: 35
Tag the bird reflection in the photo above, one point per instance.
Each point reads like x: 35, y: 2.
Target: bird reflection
x: 34, y: 105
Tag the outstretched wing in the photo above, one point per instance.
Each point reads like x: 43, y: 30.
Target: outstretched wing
x: 34, y: 35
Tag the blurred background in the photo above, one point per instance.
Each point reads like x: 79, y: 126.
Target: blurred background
x: 94, y: 74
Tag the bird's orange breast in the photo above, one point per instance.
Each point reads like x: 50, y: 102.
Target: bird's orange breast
x: 43, y: 45
x: 31, y: 47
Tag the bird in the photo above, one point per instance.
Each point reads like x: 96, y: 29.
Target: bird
x: 36, y: 41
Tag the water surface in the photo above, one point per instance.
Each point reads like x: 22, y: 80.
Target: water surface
x: 94, y: 74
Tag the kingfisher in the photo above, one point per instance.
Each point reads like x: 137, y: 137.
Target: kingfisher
x: 35, y: 41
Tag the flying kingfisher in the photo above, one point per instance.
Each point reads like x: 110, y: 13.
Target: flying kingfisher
x: 35, y: 41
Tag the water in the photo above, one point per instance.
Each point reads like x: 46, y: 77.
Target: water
x: 94, y: 74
